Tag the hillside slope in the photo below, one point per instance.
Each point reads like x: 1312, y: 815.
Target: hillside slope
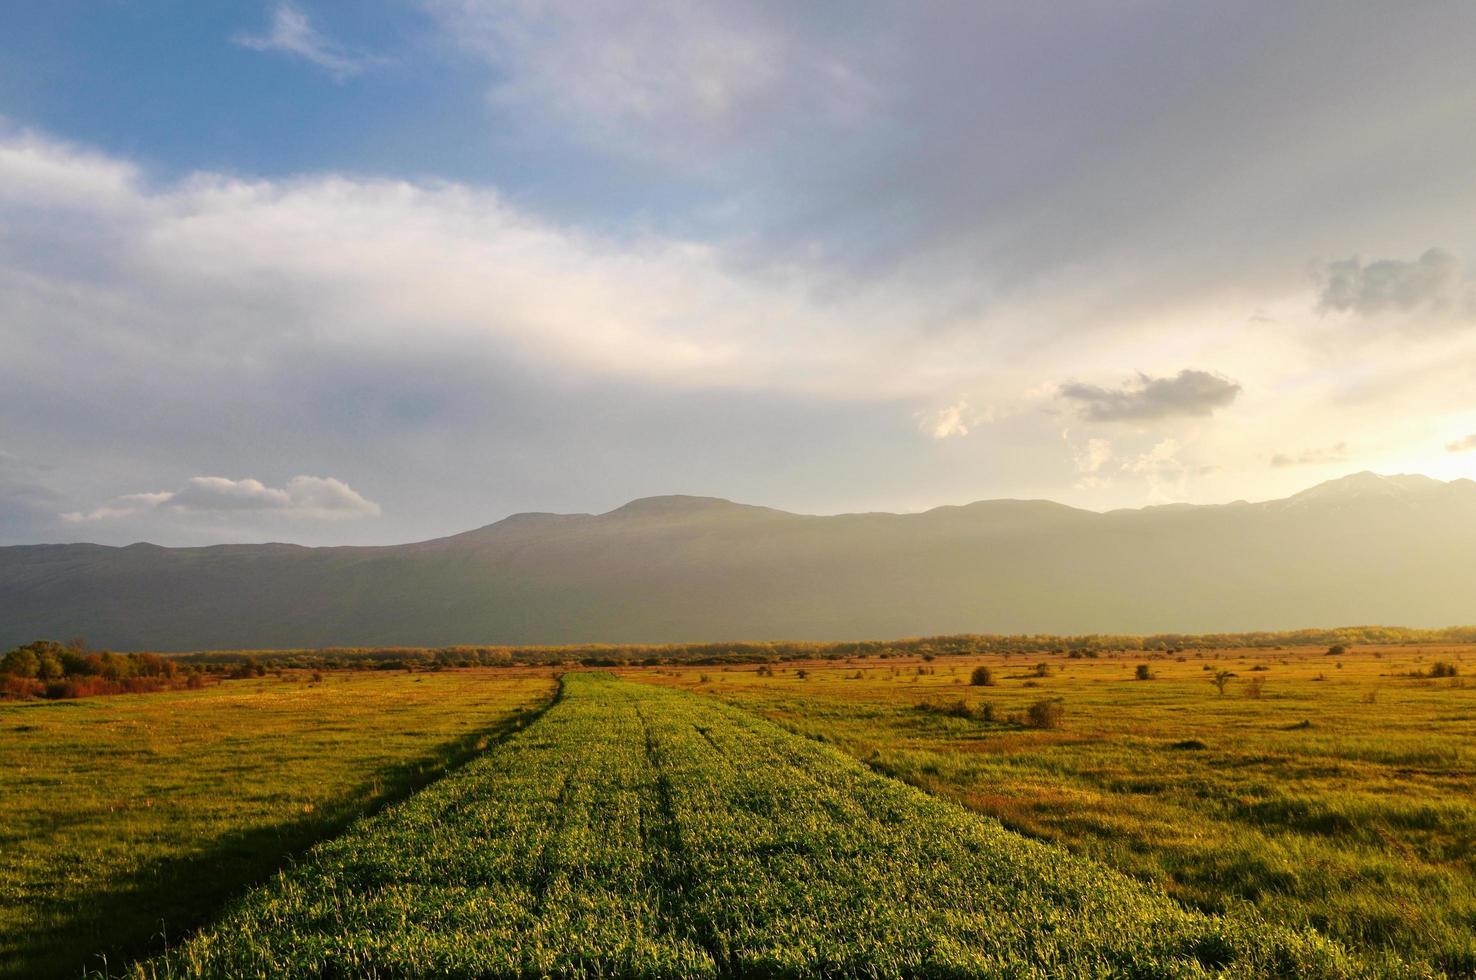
x: 1362, y: 549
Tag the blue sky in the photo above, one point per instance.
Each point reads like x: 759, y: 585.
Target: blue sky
x: 339, y: 272
x: 175, y: 87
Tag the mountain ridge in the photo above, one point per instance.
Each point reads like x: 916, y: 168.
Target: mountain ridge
x: 683, y: 569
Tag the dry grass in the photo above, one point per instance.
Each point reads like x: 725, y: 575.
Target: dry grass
x: 1343, y: 797
x: 128, y: 819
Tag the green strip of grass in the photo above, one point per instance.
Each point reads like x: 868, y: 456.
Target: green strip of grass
x: 640, y: 832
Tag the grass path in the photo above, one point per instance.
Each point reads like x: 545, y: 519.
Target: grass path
x: 635, y: 831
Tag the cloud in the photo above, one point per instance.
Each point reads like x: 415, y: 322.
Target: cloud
x: 954, y: 420
x: 26, y: 500
x: 1462, y: 445
x: 1166, y: 474
x: 1436, y: 282
x: 303, y: 496
x: 1188, y: 393
x: 330, y: 266
x: 673, y: 83
x: 1312, y: 457
x: 1090, y: 462
x: 293, y: 34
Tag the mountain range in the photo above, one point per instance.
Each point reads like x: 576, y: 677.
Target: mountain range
x: 1361, y: 549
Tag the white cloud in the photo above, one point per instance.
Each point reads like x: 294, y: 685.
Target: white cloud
x: 683, y: 84
x: 304, y: 496
x: 1462, y: 445
x: 1090, y: 461
x: 292, y: 33
x: 1166, y: 474
x: 1310, y: 457
x: 332, y: 266
x: 954, y: 420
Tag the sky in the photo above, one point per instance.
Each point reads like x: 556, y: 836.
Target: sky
x: 333, y: 272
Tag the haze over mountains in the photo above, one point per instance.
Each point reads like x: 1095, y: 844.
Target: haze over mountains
x: 1362, y: 549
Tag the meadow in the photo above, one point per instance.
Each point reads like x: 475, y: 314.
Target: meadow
x: 1041, y: 810
x: 636, y: 831
x: 127, y: 821
x: 1336, y: 792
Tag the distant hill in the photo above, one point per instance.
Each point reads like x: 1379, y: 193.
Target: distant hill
x: 1365, y: 548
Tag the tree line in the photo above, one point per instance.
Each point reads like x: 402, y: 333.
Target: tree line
x: 48, y: 668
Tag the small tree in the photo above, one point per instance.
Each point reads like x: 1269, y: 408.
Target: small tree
x: 1221, y: 680
x: 1143, y: 673
x: 20, y: 662
x: 982, y: 677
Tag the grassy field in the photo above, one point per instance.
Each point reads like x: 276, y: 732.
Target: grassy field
x: 633, y: 831
x: 1336, y: 792
x: 130, y: 818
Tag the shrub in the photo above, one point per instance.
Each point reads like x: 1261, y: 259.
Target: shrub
x: 1336, y: 650
x: 12, y: 686
x: 1441, y: 668
x: 1143, y: 673
x: 959, y: 708
x: 982, y: 677
x: 1045, y: 714
x: 1042, y: 670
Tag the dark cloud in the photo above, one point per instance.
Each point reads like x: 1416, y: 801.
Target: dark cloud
x: 1188, y: 393
x: 1010, y: 140
x: 1435, y: 282
x: 1329, y: 454
x: 27, y: 504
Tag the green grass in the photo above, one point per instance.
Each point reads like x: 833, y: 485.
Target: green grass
x: 1345, y: 804
x: 130, y: 819
x: 634, y: 831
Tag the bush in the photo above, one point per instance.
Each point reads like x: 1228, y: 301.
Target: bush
x: 959, y: 708
x: 1441, y: 668
x: 20, y: 662
x: 1336, y: 650
x: 1045, y: 714
x: 1143, y: 673
x: 982, y: 677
